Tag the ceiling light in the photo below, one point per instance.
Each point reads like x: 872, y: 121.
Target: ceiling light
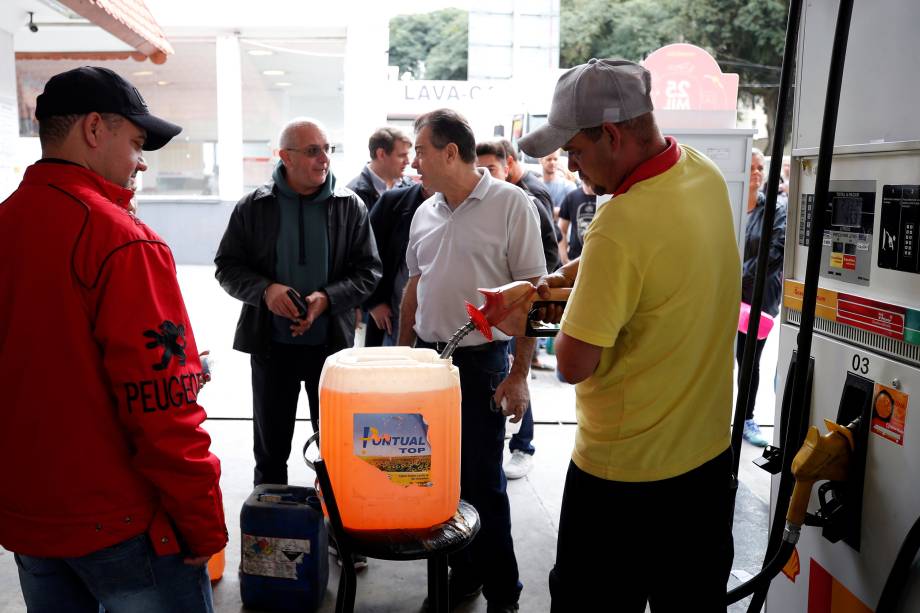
x: 273, y: 73
x: 142, y: 73
x: 162, y: 82
x: 260, y: 52
x: 69, y: 13
x: 283, y: 83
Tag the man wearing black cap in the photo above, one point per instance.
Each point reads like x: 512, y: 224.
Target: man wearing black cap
x: 114, y: 499
x: 647, y: 335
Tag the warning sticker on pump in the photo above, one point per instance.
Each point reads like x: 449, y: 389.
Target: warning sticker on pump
x: 889, y: 413
x: 273, y: 557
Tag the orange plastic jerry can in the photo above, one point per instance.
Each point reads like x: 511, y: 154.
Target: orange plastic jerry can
x: 390, y: 436
x: 216, y: 564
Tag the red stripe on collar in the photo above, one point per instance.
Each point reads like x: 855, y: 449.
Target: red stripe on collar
x: 652, y: 167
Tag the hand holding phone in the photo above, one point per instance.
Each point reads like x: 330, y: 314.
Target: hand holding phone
x: 299, y: 303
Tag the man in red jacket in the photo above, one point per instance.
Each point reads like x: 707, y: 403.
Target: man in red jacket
x: 109, y: 495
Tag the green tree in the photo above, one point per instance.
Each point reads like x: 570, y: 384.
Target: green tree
x: 431, y: 45
x: 628, y: 29
x: 744, y: 36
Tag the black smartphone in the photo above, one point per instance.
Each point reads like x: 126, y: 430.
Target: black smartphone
x: 298, y: 303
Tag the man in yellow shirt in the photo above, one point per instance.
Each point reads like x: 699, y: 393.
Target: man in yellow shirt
x: 647, y: 337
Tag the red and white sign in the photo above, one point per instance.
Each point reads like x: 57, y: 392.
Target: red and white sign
x: 687, y: 78
x: 872, y: 316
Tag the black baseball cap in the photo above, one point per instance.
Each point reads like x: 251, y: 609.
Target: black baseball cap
x: 91, y: 89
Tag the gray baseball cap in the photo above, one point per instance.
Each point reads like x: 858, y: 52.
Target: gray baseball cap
x: 588, y: 95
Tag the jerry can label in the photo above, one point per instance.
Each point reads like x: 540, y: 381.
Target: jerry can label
x: 396, y: 444
x: 273, y: 557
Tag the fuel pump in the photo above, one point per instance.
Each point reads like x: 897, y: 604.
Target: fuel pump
x: 851, y: 306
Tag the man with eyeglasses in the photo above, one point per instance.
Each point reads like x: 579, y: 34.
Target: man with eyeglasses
x: 297, y: 236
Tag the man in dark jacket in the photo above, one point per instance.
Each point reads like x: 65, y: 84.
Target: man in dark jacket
x: 389, y: 150
x: 296, y: 237
x: 773, y: 288
x: 391, y: 218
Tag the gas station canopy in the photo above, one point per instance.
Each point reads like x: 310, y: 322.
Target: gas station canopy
x: 129, y: 21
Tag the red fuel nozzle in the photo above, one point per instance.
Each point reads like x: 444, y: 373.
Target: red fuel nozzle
x: 508, y: 307
x: 513, y: 299
x: 478, y: 317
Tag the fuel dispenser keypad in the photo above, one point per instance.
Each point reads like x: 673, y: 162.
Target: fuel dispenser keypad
x: 898, y: 249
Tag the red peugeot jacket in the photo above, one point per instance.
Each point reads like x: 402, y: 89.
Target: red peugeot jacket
x: 100, y: 436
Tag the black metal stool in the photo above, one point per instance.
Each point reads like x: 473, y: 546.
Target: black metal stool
x: 433, y: 544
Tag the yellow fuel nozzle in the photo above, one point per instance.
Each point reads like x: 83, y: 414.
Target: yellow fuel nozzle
x: 820, y: 458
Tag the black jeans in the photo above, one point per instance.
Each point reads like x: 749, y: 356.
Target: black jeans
x: 276, y: 380
x: 667, y: 543
x: 489, y: 560
x: 755, y: 373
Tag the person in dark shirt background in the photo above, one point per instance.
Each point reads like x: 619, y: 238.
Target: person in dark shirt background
x: 575, y: 215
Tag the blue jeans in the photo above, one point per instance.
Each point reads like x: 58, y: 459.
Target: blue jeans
x: 489, y: 560
x: 128, y: 577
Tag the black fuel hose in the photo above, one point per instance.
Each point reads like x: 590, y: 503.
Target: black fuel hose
x: 766, y: 231
x: 761, y: 581
x: 897, y: 578
x: 800, y: 392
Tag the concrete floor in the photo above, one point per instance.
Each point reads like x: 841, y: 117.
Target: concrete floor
x: 400, y: 586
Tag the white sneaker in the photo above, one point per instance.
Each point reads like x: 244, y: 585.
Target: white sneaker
x: 518, y: 465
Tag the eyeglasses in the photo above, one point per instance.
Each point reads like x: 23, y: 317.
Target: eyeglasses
x: 313, y: 150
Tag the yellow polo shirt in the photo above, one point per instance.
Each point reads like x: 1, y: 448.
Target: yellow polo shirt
x: 658, y: 288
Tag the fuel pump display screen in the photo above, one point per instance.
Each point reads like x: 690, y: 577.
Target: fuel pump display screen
x: 846, y: 250
x: 847, y: 212
x: 897, y: 249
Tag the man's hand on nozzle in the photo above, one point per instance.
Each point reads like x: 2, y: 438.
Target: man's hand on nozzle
x: 278, y: 302
x: 551, y: 313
